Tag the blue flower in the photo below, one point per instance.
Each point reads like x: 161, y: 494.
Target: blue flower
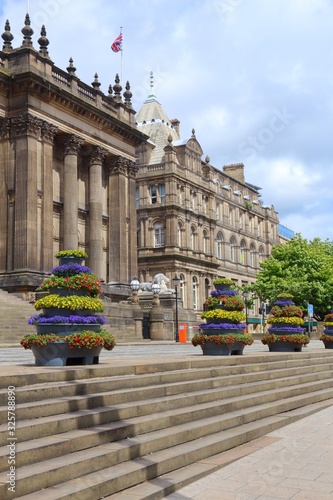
x: 224, y: 293
x: 40, y: 319
x: 70, y: 270
x: 223, y: 325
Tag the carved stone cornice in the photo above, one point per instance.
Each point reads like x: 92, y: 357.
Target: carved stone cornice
x: 49, y: 131
x: 27, y: 125
x: 72, y: 145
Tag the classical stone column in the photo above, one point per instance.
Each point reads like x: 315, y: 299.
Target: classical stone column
x: 27, y: 130
x: 72, y: 147
x: 122, y: 222
x: 95, y: 211
x: 48, y: 133
x: 4, y: 164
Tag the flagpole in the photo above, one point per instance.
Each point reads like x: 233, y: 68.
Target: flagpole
x: 121, y: 57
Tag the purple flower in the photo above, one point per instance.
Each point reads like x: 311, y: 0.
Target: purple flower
x: 39, y: 319
x: 328, y: 330
x: 277, y: 329
x: 284, y: 302
x: 223, y: 325
x: 70, y: 270
x: 224, y: 293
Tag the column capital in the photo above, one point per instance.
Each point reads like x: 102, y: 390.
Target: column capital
x: 5, y: 128
x: 49, y: 131
x: 97, y: 155
x: 27, y: 125
x: 72, y: 145
x: 119, y: 164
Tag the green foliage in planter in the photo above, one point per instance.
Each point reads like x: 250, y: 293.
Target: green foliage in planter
x: 236, y: 316
x: 296, y: 338
x: 201, y: 339
x: 326, y: 338
x: 80, y: 254
x: 72, y: 302
x: 82, y: 281
x: 85, y: 339
x: 223, y: 281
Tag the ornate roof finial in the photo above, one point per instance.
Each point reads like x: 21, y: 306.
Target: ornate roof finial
x: 170, y: 139
x: 193, y: 133
x: 43, y: 42
x: 207, y: 159
x: 117, y: 88
x: 7, y: 37
x: 71, y: 68
x: 128, y: 95
x: 27, y: 32
x: 96, y: 84
x: 151, y: 80
x: 110, y: 90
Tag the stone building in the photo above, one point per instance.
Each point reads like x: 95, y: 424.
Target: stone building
x: 195, y: 220
x: 67, y: 169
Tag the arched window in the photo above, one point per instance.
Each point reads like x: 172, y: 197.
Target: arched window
x: 242, y: 252
x: 252, y: 255
x: 192, y: 238
x: 233, y: 249
x: 158, y: 235
x: 195, y: 292
x: 261, y: 254
x: 219, y: 243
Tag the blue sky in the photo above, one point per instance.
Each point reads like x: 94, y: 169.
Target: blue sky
x: 254, y: 79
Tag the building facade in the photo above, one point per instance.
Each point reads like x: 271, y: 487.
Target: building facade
x: 67, y: 168
x: 195, y: 220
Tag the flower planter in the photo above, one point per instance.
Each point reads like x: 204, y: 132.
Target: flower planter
x: 223, y: 331
x: 49, y: 312
x: 70, y: 261
x: 66, y: 328
x: 281, y: 346
x: 213, y: 349
x: 59, y: 354
x: 328, y: 345
x: 222, y: 288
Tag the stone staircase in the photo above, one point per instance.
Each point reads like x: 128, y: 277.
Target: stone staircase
x: 14, y: 314
x: 143, y: 429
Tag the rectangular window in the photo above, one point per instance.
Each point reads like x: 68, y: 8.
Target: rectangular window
x: 153, y: 194
x: 137, y: 197
x: 162, y: 193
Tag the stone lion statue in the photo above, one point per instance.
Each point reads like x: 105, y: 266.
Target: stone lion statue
x: 161, y: 279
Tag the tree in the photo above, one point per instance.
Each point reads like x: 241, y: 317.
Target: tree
x: 301, y: 268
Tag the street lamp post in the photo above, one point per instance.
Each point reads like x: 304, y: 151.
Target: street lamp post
x: 176, y: 282
x: 135, y: 285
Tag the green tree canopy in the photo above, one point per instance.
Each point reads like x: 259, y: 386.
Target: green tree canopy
x: 302, y: 268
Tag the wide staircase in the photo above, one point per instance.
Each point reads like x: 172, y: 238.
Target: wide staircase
x: 14, y: 314
x: 143, y: 429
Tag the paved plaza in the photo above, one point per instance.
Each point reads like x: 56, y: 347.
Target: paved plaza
x: 19, y: 356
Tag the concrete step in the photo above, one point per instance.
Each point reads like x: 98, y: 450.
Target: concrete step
x: 117, y: 477
x: 14, y: 314
x: 93, y: 397
x: 166, y: 484
x: 91, y: 432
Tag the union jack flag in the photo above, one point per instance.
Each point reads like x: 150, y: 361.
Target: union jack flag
x: 117, y: 44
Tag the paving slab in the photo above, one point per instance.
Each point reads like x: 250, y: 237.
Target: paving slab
x: 294, y: 462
